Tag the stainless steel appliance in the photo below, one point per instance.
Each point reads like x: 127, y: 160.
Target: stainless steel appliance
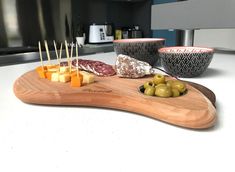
x: 100, y: 33
x: 136, y: 32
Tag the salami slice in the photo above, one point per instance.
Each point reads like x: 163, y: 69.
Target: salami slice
x: 63, y: 63
x: 97, y: 67
x: 104, y: 69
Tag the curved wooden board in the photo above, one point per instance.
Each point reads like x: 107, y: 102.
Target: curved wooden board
x: 193, y: 110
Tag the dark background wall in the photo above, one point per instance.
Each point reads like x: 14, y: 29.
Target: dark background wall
x: 118, y: 13
x: 59, y: 20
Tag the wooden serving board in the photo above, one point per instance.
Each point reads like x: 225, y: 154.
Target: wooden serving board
x: 192, y: 110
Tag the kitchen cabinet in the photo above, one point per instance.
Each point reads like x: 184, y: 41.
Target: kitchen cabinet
x: 171, y: 36
x: 193, y: 15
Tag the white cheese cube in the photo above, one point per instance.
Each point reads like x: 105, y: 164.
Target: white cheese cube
x: 55, y: 77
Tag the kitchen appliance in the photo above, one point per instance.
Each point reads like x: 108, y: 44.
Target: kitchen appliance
x: 128, y: 32
x: 118, y: 34
x: 136, y: 32
x: 100, y: 33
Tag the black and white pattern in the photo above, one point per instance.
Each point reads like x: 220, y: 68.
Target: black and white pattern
x: 186, y: 62
x: 144, y: 50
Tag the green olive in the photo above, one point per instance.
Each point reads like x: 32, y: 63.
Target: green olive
x: 179, y: 86
x: 158, y: 85
x: 159, y: 79
x: 149, y: 91
x: 169, y: 83
x: 148, y: 83
x: 163, y: 91
x: 175, y: 92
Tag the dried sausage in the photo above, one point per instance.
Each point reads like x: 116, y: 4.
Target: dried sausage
x: 97, y: 67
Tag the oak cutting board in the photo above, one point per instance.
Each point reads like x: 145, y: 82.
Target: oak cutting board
x: 192, y: 110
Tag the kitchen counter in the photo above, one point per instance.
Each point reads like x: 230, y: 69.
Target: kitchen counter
x: 51, y: 138
x: 12, y: 56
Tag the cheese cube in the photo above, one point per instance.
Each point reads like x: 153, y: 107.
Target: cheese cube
x: 64, y: 69
x: 87, y: 77
x: 76, y: 81
x: 55, y: 76
x: 53, y: 68
x: 48, y: 75
x: 40, y: 68
x: 42, y: 74
x: 73, y: 69
x: 41, y: 71
x: 65, y: 77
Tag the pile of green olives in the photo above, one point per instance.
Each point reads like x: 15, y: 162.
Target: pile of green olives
x: 161, y: 87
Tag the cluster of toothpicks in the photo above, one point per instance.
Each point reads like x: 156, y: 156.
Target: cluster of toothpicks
x: 63, y: 71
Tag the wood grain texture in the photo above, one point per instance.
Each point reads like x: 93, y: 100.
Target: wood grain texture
x: 193, y: 110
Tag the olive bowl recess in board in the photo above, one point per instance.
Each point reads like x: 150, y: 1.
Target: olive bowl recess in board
x: 141, y: 90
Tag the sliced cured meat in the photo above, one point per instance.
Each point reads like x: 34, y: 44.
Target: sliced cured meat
x: 104, y: 69
x: 63, y: 63
x: 97, y: 67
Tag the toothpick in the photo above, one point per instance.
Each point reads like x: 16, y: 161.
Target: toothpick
x: 67, y: 51
x: 71, y: 52
x: 77, y: 68
x: 47, y: 50
x: 77, y: 58
x: 56, y: 53
x: 71, y: 55
x: 40, y: 54
x: 77, y: 50
x: 61, y: 45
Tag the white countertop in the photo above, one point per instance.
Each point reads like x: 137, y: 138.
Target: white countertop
x: 44, y: 138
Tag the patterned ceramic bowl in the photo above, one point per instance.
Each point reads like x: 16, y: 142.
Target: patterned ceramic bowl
x: 186, y: 62
x: 144, y: 49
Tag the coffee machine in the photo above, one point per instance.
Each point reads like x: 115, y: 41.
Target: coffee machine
x: 100, y: 33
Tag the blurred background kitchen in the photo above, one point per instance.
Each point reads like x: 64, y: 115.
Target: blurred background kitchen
x: 25, y: 22
x: 97, y: 22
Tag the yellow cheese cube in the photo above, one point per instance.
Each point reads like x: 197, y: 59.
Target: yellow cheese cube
x: 55, y: 77
x: 52, y: 68
x: 87, y: 77
x: 64, y: 69
x: 73, y: 69
x: 65, y: 77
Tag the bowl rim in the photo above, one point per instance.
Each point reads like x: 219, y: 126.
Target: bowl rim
x: 203, y: 49
x: 138, y: 40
